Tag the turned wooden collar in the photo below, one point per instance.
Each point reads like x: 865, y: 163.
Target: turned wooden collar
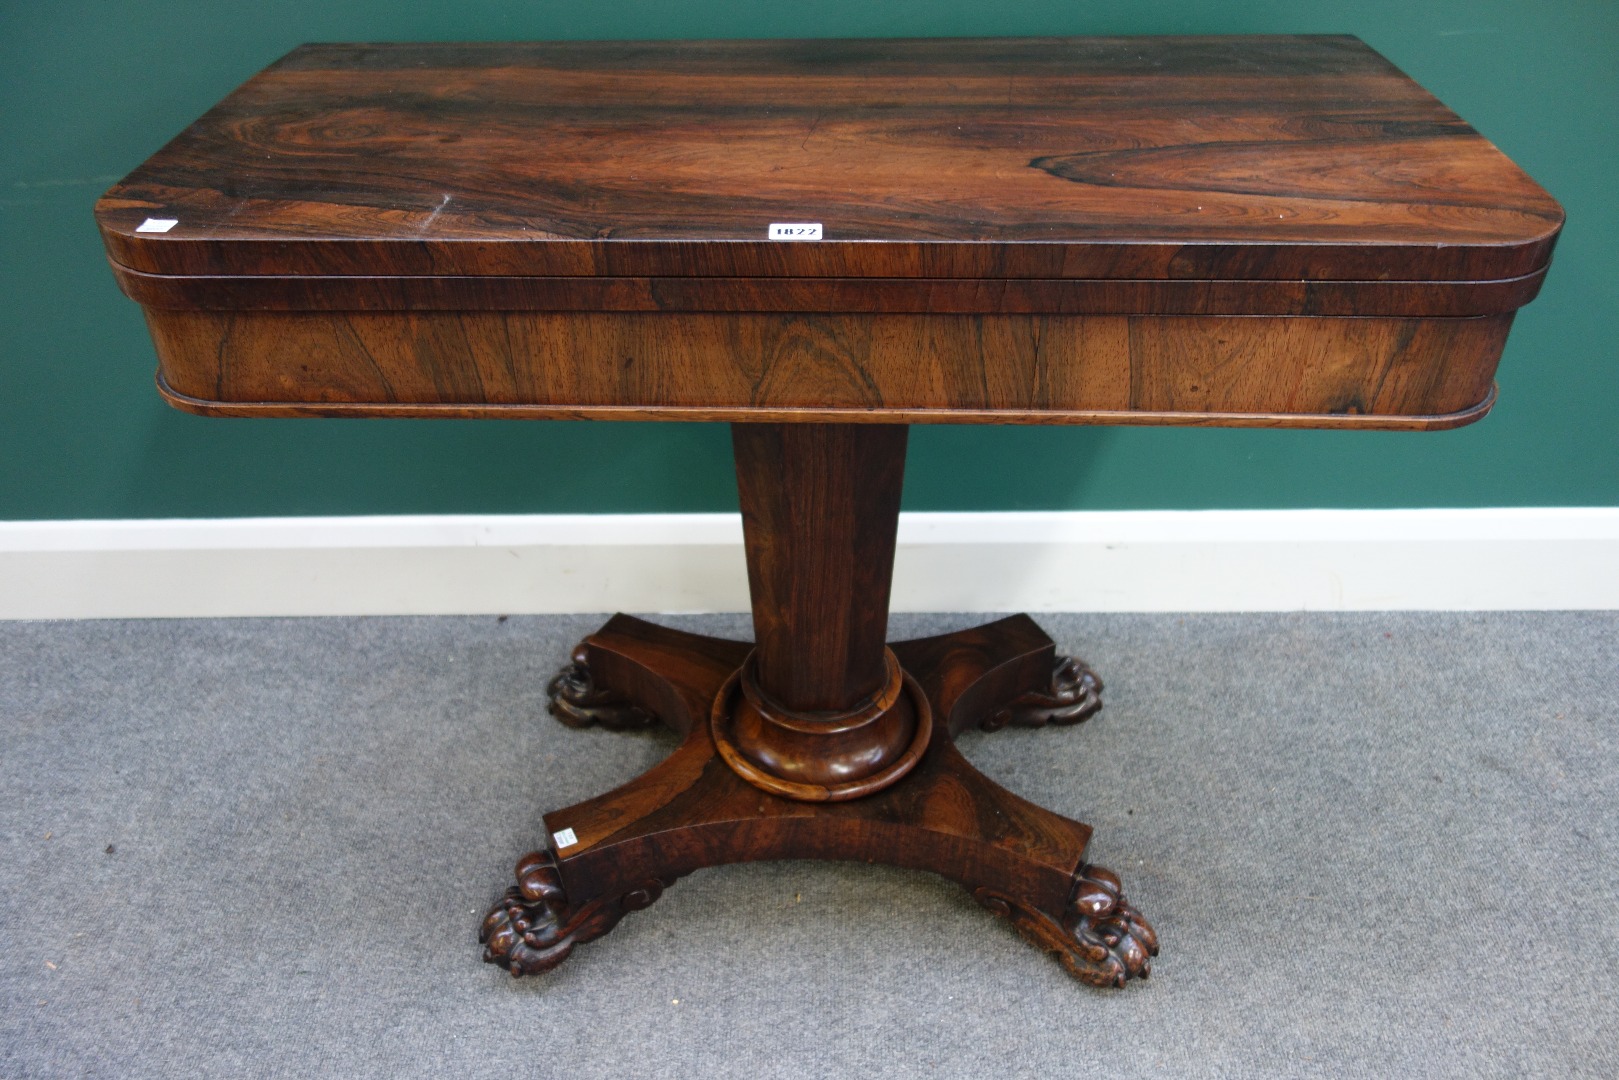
x: 821, y: 757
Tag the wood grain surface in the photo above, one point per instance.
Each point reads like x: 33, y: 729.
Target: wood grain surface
x: 1343, y: 372
x: 820, y: 513
x: 1278, y: 231
x: 1071, y: 296
x: 616, y: 853
x: 1283, y: 158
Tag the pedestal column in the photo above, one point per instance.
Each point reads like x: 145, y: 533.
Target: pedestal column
x: 821, y: 709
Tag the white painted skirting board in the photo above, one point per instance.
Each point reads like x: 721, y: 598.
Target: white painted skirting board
x: 1221, y: 560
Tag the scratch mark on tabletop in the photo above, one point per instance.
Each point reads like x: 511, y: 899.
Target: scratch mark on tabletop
x: 437, y: 210
x: 813, y: 125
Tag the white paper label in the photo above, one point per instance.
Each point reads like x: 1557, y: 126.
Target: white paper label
x: 157, y: 224
x: 804, y: 230
x: 565, y: 838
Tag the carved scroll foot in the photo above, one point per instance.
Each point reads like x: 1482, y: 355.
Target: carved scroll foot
x: 1073, y: 695
x: 577, y: 701
x: 1100, y: 938
x: 533, y: 927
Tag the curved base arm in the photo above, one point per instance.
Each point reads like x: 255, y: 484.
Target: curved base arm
x: 616, y: 853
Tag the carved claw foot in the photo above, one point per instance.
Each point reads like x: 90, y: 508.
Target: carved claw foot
x: 533, y: 928
x: 1101, y: 939
x: 1074, y: 694
x: 577, y: 701
x: 1116, y: 942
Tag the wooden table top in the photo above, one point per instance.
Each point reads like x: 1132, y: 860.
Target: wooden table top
x: 1224, y: 158
x: 1069, y: 230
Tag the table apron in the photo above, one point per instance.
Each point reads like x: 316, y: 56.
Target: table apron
x: 1238, y: 370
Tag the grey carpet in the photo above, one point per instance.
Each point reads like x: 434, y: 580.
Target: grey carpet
x: 1373, y: 846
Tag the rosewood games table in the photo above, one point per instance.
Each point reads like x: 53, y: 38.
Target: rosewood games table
x: 822, y: 242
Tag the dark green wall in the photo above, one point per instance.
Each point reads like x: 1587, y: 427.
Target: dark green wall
x: 88, y: 89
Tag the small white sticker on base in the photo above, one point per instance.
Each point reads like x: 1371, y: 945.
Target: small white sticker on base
x: 804, y: 230
x: 157, y: 224
x: 565, y: 838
